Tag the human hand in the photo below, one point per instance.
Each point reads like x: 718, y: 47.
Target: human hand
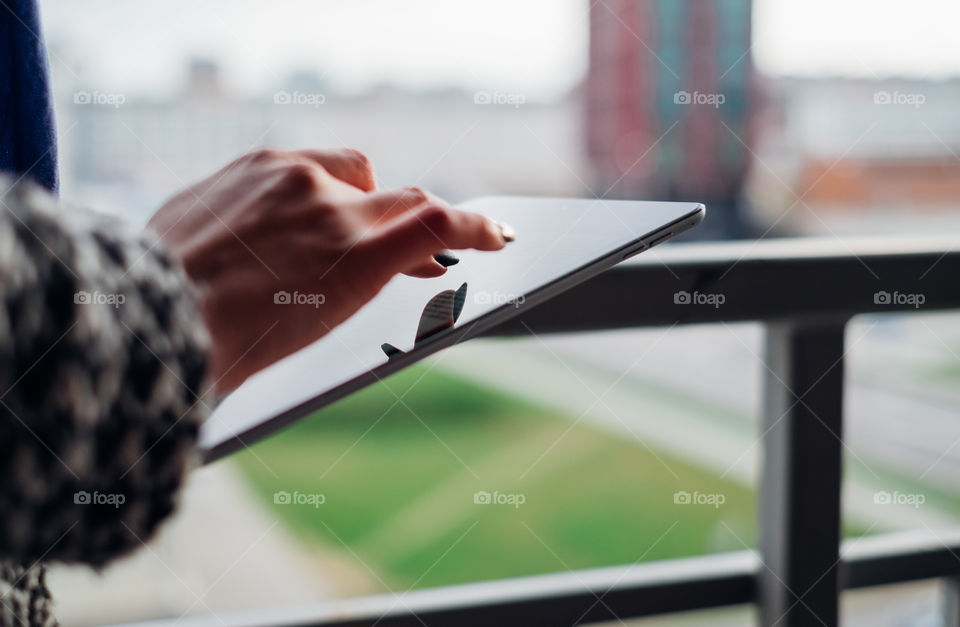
x: 304, y: 221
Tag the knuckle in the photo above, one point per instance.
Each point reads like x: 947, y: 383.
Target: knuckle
x: 327, y: 213
x: 437, y: 220
x: 303, y: 176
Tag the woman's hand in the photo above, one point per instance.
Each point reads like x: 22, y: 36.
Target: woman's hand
x: 310, y: 222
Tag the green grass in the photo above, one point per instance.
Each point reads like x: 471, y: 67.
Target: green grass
x: 399, y: 480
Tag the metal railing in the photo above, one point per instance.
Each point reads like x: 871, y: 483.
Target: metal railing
x: 804, y: 292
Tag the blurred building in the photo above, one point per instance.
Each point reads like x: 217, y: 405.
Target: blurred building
x: 876, y: 144
x: 203, y: 81
x: 865, y: 156
x: 126, y: 153
x: 669, y: 93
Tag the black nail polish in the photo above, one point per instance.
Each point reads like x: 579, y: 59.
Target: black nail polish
x: 446, y: 258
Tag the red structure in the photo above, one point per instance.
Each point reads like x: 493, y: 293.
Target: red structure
x: 669, y: 96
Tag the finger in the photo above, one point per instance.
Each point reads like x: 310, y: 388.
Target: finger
x: 406, y: 241
x: 381, y: 207
x: 426, y: 270
x: 349, y: 165
x: 434, y: 266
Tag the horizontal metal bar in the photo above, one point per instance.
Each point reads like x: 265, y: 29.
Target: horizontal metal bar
x: 760, y: 280
x: 554, y: 599
x: 606, y: 593
x: 900, y: 557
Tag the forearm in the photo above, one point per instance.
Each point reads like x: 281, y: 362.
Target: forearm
x: 102, y: 364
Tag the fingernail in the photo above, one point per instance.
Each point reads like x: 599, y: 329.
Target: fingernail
x: 507, y: 231
x: 446, y: 258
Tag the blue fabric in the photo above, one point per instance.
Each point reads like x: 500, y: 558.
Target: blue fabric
x: 28, y: 140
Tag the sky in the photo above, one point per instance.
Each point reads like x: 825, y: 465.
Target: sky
x: 535, y: 47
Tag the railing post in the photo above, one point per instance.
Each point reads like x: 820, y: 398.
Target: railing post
x: 950, y: 601
x: 799, y: 509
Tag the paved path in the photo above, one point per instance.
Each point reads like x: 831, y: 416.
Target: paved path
x: 222, y: 551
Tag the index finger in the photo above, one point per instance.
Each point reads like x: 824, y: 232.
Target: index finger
x: 409, y: 239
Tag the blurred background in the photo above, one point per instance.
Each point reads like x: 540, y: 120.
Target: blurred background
x: 837, y: 120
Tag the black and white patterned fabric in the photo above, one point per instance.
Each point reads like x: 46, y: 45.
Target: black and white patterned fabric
x: 102, y: 361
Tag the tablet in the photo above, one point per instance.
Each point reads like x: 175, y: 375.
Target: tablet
x: 559, y: 243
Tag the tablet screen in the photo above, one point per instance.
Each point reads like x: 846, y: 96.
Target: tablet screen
x: 411, y: 318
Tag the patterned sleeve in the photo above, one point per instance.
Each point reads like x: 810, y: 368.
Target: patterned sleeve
x: 102, y: 367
